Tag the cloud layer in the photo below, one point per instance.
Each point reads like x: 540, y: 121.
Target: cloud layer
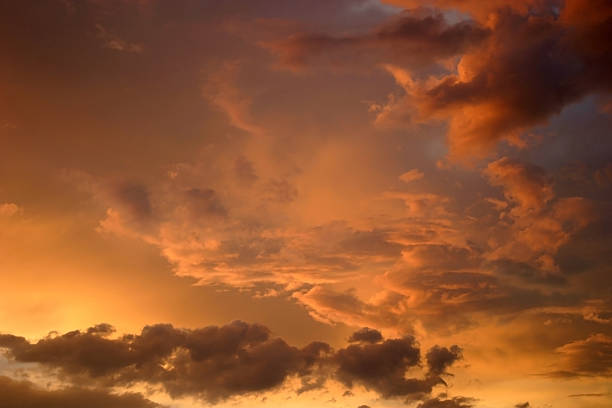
x: 218, y: 362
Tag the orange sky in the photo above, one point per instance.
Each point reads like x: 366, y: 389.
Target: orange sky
x: 299, y: 203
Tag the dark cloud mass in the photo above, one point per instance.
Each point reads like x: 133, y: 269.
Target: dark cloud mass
x: 380, y: 175
x: 217, y: 362
x: 414, y: 37
x: 212, y: 363
x: 24, y: 394
x: 383, y: 366
x: 516, y: 70
x: 589, y: 357
x: 457, y: 402
x: 366, y: 335
x: 440, y: 358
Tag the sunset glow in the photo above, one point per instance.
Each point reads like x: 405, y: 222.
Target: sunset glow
x: 306, y: 203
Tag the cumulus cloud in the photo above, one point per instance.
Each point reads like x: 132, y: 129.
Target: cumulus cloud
x: 366, y: 335
x: 231, y: 217
x: 440, y: 358
x: 520, y: 64
x: 25, y: 394
x: 505, y: 87
x: 383, y: 366
x: 457, y: 402
x: 218, y: 362
x: 211, y: 363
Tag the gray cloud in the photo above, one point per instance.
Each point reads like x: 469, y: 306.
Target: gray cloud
x: 218, y: 362
x: 25, y: 394
x: 366, y: 335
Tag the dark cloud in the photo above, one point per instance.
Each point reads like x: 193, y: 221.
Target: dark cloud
x: 245, y: 170
x: 528, y: 70
x: 281, y: 190
x: 218, y: 362
x: 523, y: 405
x: 522, y: 67
x: 366, y: 335
x: 415, y: 37
x: 525, y: 272
x: 204, y: 203
x: 383, y: 367
x: 440, y: 358
x: 457, y: 402
x: 212, y: 363
x: 135, y: 200
x: 25, y: 394
x: 586, y: 358
x: 371, y: 243
x: 102, y: 329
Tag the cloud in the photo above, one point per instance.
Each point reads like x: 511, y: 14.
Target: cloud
x: 411, y: 175
x: 476, y: 8
x: 526, y: 185
x: 328, y: 305
x: 589, y: 357
x: 9, y: 209
x: 25, y: 394
x: 528, y: 70
x: 416, y: 37
x: 539, y: 223
x: 365, y: 335
x: 456, y: 402
x: 520, y: 63
x: 113, y: 42
x: 222, y: 91
x: 215, y: 363
x: 212, y: 363
x: 440, y: 358
x: 382, y: 367
x: 134, y: 199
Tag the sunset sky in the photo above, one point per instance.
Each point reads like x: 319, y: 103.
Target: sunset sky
x: 305, y: 203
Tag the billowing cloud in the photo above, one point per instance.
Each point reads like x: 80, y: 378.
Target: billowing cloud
x: 457, y: 402
x: 215, y: 363
x: 439, y: 358
x: 366, y: 335
x: 551, y: 68
x: 523, y: 184
x: 522, y: 66
x: 436, y: 171
x: 212, y: 363
x: 26, y: 394
x: 383, y: 366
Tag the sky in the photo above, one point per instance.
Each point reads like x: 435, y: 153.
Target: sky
x: 306, y: 203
